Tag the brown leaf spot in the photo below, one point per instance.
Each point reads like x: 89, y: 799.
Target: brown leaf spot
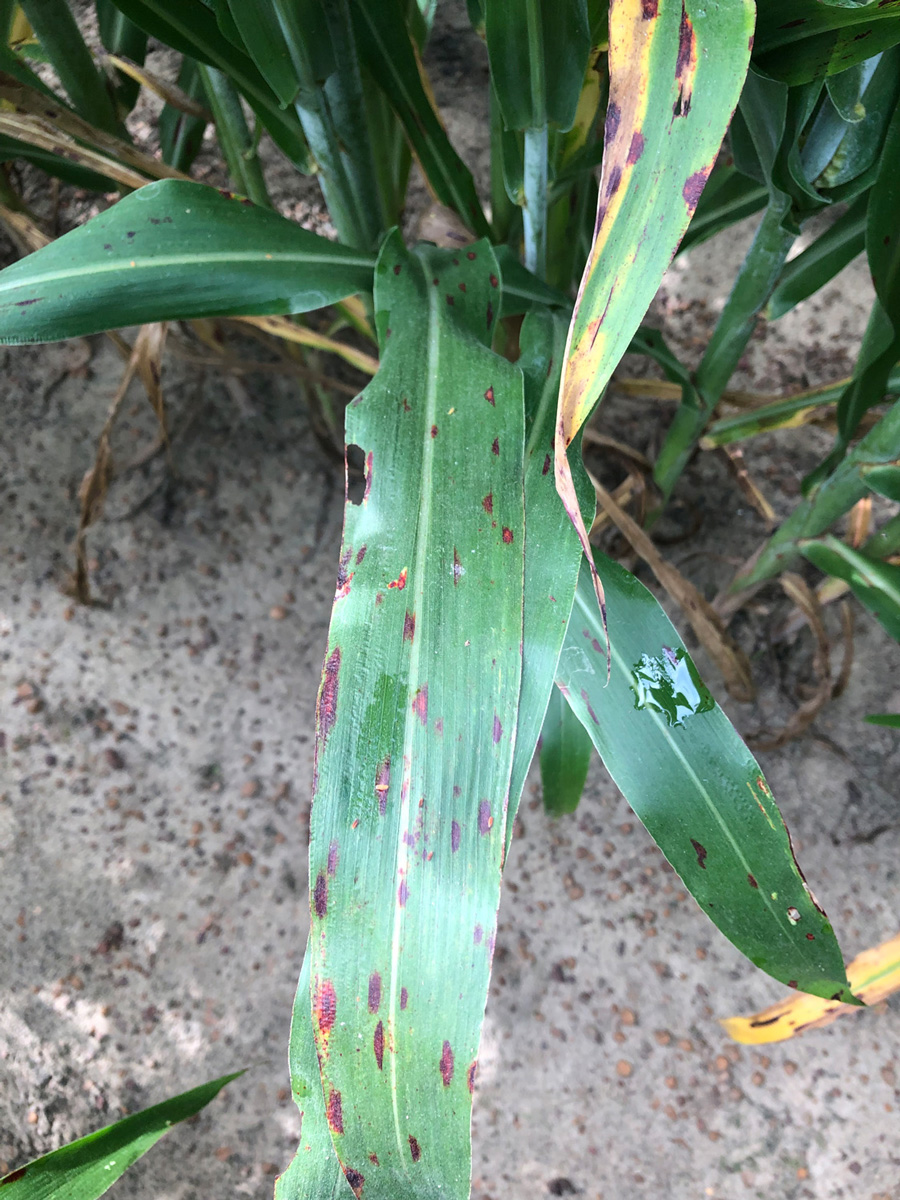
x: 374, y: 992
x: 507, y: 535
x: 320, y: 895
x: 404, y: 998
x: 694, y: 187
x: 810, y: 937
x: 498, y: 729
x: 613, y: 117
x: 450, y: 300
x: 636, y: 149
x: 355, y: 1178
x: 360, y: 555
x: 478, y: 935
x: 409, y: 626
x: 792, y: 983
x: 546, y: 465
x: 402, y: 893
x: 325, y: 1007
x: 495, y: 282
x: 397, y: 268
x: 13, y: 1176
x: 485, y: 818
x: 488, y: 503
x: 752, y: 881
x: 700, y: 851
x: 327, y: 706
x: 447, y: 1064
x: 495, y: 446
x: 434, y: 431
x: 587, y: 702
x: 470, y: 1075
x: 335, y: 1112
x: 455, y: 836
x: 414, y: 1149
x: 471, y: 256
x: 400, y: 582
x: 420, y: 703
x: 333, y: 855
x: 373, y: 1158
x: 489, y: 396
x: 615, y: 178
x: 378, y: 1044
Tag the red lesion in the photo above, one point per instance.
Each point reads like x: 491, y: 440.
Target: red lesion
x: 447, y: 1064
x: 414, y: 1149
x: 420, y: 703
x: 378, y: 1044
x: 327, y: 705
x: 400, y: 582
x: 335, y: 1112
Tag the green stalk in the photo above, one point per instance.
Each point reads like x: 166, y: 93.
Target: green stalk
x: 756, y: 280
x: 234, y: 135
x: 534, y: 213
x: 833, y: 497
x: 56, y: 30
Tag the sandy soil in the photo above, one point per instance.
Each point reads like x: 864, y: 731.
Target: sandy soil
x: 155, y: 763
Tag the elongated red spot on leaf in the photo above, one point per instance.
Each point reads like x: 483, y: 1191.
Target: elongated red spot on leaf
x: 414, y: 1149
x: 587, y: 702
x: 447, y: 1064
x: 407, y: 407
x: 409, y: 626
x: 404, y: 998
x: 402, y: 893
x: 686, y: 43
x: 498, y: 729
x: 752, y: 881
x: 495, y: 282
x: 615, y: 178
x: 792, y: 983
x: 343, y: 577
x: 320, y: 895
x: 420, y: 704
x: 369, y: 461
x: 693, y: 189
x: 478, y: 934
x: 325, y: 1007
x: 335, y: 1112
x: 810, y: 937
x: 355, y: 1178
x: 333, y: 854
x: 546, y: 465
x: 799, y: 21
x: 327, y: 707
x: 485, y: 819
x: 489, y: 396
x: 360, y: 555
x: 434, y: 431
x: 488, y: 503
x: 495, y: 446
x: 613, y: 117
x: 636, y: 149
x: 471, y: 256
x: 378, y: 1044
x: 507, y: 535
x: 373, y: 1158
x: 458, y: 568
x: 374, y: 992
x: 397, y: 268
x: 451, y: 301
x: 455, y: 836
x: 701, y: 853
x: 470, y: 1075
x: 400, y: 582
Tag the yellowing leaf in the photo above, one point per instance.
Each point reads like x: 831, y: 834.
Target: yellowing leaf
x: 873, y: 975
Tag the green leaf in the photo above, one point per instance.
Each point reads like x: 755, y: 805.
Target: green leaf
x: 885, y: 480
x: 87, y: 1168
x: 691, y: 780
x: 862, y: 143
x: 875, y: 584
x: 387, y: 52
x: 172, y: 251
x: 189, y: 26
x: 416, y: 724
x: 538, y: 51
x: 827, y: 500
x: 846, y: 89
x: 800, y: 40
x: 820, y: 261
x: 888, y: 720
x: 565, y: 756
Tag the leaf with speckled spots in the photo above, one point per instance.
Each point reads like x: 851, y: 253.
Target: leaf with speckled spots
x: 686, y: 773
x: 171, y: 251
x: 676, y: 70
x: 416, y: 724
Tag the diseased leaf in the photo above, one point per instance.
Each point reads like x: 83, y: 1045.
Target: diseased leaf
x: 173, y: 251
x: 874, y: 975
x: 85, y: 1169
x: 416, y: 722
x: 676, y: 71
x: 565, y: 756
x: 691, y: 780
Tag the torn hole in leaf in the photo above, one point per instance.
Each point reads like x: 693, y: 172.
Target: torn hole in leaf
x: 355, y: 460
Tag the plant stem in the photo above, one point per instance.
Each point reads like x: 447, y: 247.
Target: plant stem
x: 534, y: 214
x: 234, y: 135
x: 756, y: 280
